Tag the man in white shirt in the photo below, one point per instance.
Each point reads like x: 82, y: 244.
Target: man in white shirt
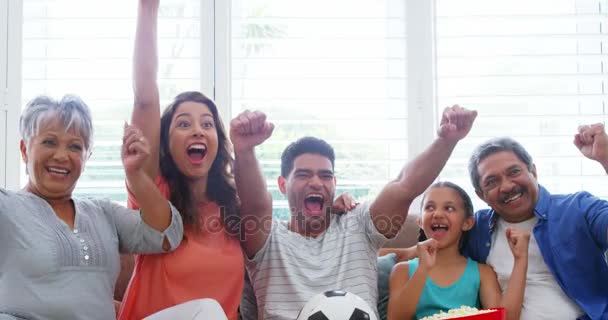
x: 314, y: 251
x: 567, y: 273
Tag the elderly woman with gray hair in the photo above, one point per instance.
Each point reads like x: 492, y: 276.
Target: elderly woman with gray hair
x: 59, y: 255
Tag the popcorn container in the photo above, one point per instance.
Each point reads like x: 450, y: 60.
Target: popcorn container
x: 496, y: 314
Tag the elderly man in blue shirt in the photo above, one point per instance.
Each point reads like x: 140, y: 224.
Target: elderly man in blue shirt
x: 567, y: 272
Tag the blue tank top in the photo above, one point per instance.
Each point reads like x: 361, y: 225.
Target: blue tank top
x: 434, y: 298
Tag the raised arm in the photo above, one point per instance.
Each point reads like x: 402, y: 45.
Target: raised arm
x: 394, y: 200
x: 405, y: 292
x: 513, y: 298
x: 592, y: 142
x: 146, y: 108
x: 248, y: 130
x: 146, y: 105
x: 154, y: 208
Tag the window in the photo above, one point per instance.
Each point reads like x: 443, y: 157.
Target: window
x: 337, y: 73
x: 535, y: 70
x: 86, y: 48
x: 342, y: 70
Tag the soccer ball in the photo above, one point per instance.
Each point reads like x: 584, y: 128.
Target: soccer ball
x: 336, y: 305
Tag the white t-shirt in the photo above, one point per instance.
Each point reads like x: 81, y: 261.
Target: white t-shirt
x: 543, y: 298
x: 290, y: 268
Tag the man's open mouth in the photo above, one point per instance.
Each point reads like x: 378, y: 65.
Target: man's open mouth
x: 313, y: 203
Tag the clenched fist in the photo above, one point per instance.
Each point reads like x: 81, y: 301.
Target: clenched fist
x: 592, y: 141
x: 456, y: 122
x: 135, y: 149
x: 427, y: 254
x: 518, y: 242
x: 249, y: 129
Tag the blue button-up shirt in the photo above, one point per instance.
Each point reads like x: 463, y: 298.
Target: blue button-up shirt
x: 572, y: 235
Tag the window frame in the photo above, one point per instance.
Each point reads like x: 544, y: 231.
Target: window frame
x: 422, y: 78
x: 3, y: 90
x: 10, y: 65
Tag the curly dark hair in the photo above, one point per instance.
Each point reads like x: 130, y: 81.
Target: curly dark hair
x: 220, y: 181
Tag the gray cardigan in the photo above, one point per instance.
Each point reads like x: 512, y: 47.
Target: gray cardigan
x: 48, y: 271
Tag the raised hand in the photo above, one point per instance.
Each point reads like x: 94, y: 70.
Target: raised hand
x: 592, y: 141
x: 427, y: 253
x: 518, y: 242
x: 344, y: 203
x: 135, y: 149
x: 249, y: 129
x: 456, y: 122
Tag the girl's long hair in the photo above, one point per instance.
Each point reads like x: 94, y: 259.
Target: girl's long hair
x: 220, y: 181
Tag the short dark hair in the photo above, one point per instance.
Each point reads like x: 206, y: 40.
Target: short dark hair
x: 491, y: 147
x: 305, y: 145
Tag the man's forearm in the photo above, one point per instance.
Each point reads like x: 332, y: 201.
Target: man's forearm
x: 418, y: 175
x: 395, y: 199
x: 250, y: 183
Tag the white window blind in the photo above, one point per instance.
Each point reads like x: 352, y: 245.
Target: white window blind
x: 331, y: 69
x: 338, y: 70
x: 85, y: 48
x: 534, y: 70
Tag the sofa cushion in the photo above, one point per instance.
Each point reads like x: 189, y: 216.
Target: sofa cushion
x: 385, y: 265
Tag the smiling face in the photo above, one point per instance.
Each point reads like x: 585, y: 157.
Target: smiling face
x: 310, y: 187
x: 508, y: 186
x: 54, y: 159
x: 193, y: 140
x: 444, y: 216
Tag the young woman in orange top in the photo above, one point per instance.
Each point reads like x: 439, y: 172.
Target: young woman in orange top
x: 191, y: 163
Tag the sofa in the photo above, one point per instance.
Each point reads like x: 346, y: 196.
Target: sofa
x: 407, y: 237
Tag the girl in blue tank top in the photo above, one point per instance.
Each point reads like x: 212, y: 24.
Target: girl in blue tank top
x: 441, y: 278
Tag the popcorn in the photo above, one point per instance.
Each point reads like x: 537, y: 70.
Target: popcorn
x: 456, y: 313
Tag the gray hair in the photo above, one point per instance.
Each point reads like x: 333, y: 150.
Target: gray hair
x: 491, y: 147
x: 71, y: 111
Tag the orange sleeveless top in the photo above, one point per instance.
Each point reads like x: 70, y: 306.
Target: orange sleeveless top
x: 208, y: 264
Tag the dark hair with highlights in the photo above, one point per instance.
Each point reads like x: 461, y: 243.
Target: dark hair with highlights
x: 220, y: 180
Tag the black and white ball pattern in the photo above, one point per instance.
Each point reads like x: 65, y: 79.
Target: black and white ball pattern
x: 336, y: 305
